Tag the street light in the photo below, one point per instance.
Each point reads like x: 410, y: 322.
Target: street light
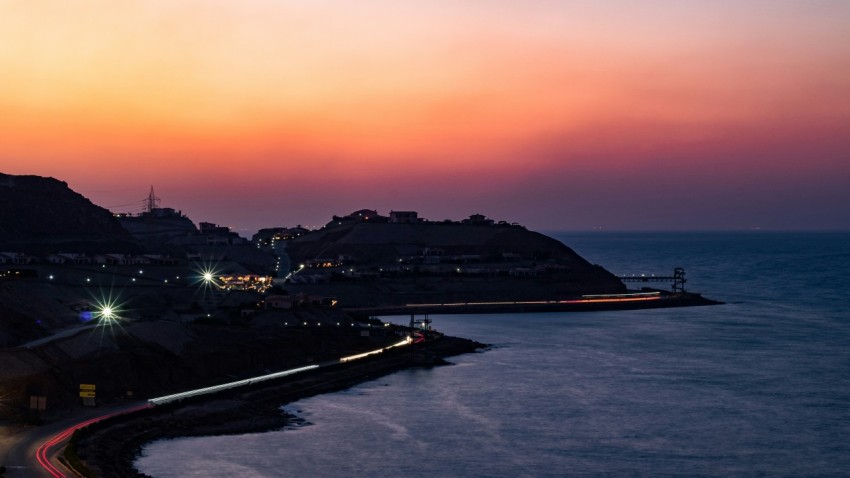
x: 107, y: 311
x: 207, y: 275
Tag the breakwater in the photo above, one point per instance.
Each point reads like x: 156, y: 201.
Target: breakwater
x: 604, y: 302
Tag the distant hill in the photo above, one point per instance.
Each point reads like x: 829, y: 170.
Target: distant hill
x: 38, y: 213
x: 385, y: 242
x: 369, y: 264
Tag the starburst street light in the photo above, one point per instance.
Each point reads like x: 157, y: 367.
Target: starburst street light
x: 107, y: 311
x: 206, y: 276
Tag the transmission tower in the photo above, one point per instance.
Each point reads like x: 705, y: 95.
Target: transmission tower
x: 152, y: 202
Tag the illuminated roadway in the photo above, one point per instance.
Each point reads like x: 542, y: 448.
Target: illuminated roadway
x: 36, y: 452
x: 585, y: 299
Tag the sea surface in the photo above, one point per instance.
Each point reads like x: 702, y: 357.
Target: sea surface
x: 759, y: 386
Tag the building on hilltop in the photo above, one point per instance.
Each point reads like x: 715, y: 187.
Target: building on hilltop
x: 219, y: 235
x: 478, y: 219
x: 15, y: 258
x: 363, y: 215
x: 268, y: 236
x: 210, y: 228
x: 154, y: 224
x: 404, y: 217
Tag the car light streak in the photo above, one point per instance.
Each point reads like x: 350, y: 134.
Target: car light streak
x: 229, y: 385
x: 262, y: 378
x: 406, y: 341
x: 360, y: 356
x: 43, y: 452
x: 612, y: 299
x: 618, y: 296
x: 585, y: 299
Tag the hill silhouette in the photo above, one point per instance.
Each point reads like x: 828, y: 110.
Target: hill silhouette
x: 38, y: 213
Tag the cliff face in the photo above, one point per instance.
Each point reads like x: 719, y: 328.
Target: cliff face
x: 36, y: 210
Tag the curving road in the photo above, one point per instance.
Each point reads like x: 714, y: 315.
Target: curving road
x: 34, y: 453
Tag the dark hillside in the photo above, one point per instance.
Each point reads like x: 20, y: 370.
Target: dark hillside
x: 382, y: 242
x: 371, y: 264
x: 44, y: 211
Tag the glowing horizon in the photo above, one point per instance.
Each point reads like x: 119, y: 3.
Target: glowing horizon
x: 555, y: 115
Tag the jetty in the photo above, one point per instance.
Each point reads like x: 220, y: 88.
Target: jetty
x: 677, y: 279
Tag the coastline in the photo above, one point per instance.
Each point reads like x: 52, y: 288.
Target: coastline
x: 621, y: 302
x: 110, y: 447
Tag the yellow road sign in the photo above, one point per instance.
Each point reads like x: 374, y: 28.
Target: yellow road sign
x: 86, y: 394
x: 86, y: 386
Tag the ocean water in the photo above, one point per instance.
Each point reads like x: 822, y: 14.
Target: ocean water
x: 759, y: 386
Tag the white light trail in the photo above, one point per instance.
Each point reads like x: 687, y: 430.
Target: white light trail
x: 406, y: 341
x: 229, y: 385
x: 250, y: 381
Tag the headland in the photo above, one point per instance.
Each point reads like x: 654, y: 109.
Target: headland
x: 136, y: 305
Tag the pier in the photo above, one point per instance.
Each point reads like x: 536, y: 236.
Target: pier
x: 585, y: 303
x: 677, y: 279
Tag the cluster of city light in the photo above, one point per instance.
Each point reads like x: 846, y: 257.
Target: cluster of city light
x: 252, y: 282
x: 208, y: 277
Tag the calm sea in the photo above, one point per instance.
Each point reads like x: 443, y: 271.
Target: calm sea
x: 759, y: 386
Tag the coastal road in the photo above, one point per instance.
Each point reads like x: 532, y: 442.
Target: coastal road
x: 70, y: 332
x: 34, y: 452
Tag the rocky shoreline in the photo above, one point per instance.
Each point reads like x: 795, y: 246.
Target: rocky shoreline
x: 110, y: 447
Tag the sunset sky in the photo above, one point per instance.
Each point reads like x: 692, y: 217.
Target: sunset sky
x: 624, y: 115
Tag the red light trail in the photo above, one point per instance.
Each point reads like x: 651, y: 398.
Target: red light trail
x: 43, y: 452
x: 585, y: 299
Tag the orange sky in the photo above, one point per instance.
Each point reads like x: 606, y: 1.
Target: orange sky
x: 556, y: 114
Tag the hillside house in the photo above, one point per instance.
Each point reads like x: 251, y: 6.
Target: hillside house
x: 404, y: 217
